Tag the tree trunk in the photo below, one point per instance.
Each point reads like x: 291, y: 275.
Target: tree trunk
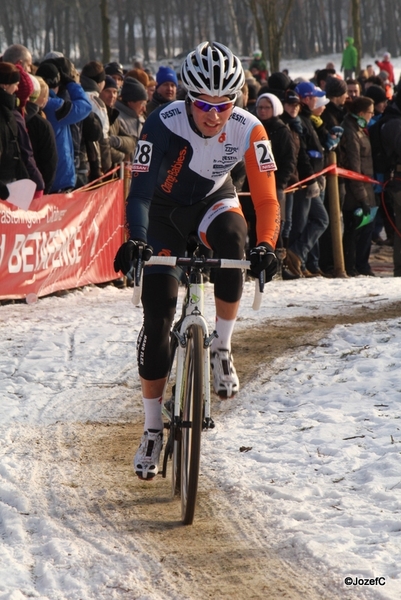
x: 105, y: 20
x: 145, y: 40
x: 160, y: 49
x: 356, y: 23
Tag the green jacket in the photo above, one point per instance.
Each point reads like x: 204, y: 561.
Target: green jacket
x: 350, y: 55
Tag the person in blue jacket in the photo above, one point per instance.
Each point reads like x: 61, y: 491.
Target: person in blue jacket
x: 62, y: 113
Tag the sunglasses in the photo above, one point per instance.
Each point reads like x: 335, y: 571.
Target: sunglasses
x: 207, y: 106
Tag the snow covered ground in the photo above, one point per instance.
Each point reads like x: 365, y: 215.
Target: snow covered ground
x: 321, y: 476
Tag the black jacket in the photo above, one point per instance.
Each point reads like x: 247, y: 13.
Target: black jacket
x: 303, y: 168
x: 283, y: 150
x: 11, y: 164
x: 311, y: 139
x: 43, y: 143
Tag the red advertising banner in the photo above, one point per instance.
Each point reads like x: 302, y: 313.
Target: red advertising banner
x: 63, y: 241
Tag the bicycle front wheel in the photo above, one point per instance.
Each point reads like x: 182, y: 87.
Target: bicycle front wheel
x: 192, y: 418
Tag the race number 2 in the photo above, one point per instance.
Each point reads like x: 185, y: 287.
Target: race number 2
x: 143, y: 156
x: 264, y: 155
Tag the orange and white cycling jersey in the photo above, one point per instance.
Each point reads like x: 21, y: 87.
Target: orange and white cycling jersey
x: 177, y: 164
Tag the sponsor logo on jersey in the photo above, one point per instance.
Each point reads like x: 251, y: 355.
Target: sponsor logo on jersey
x: 228, y: 149
x: 174, y: 171
x: 167, y: 114
x: 237, y: 117
x: 222, y: 138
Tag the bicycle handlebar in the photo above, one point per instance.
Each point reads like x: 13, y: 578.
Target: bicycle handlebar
x: 199, y: 262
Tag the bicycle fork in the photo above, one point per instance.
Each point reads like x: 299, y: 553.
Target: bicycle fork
x: 193, y: 319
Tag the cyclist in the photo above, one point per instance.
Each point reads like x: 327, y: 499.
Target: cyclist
x: 181, y: 184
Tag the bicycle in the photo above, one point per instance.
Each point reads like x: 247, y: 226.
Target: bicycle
x: 188, y: 412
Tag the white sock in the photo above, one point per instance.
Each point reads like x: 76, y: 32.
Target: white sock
x: 153, y: 413
x: 224, y: 330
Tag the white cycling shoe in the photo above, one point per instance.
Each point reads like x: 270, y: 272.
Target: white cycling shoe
x: 225, y: 380
x: 146, y: 460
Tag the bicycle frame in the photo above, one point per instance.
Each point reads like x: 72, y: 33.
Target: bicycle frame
x: 192, y: 315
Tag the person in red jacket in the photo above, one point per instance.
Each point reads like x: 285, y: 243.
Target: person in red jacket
x: 385, y: 65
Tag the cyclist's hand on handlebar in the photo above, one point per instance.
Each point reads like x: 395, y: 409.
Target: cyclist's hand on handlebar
x: 128, y: 254
x: 263, y: 258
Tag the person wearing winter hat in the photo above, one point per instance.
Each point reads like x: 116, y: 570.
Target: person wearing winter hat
x: 115, y: 70
x: 358, y: 194
x: 330, y: 135
x: 93, y: 77
x: 24, y: 90
x: 42, y: 135
x: 36, y: 89
x: 11, y: 164
x: 132, y: 106
x: 122, y: 144
x: 63, y: 115
x: 277, y: 84
x: 268, y: 110
x: 336, y: 92
x: 380, y: 99
x: 349, y: 58
x: 166, y: 89
x: 17, y: 160
x: 385, y: 65
x: 303, y: 170
x: 310, y: 218
x: 50, y: 74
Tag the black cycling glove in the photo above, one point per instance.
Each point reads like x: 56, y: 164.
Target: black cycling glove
x: 263, y: 258
x: 128, y: 254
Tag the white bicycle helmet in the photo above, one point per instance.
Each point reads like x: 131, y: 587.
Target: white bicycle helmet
x: 212, y: 69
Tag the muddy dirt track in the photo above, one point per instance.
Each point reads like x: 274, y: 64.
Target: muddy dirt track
x: 221, y: 555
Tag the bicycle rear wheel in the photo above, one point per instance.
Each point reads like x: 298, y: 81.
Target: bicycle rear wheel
x: 192, y: 417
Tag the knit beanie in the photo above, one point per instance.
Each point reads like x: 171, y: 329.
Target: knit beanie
x: 36, y: 89
x: 165, y: 74
x: 25, y: 87
x: 133, y: 90
x: 8, y: 73
x: 376, y: 92
x: 335, y: 87
x: 94, y: 70
x: 49, y: 73
x: 276, y: 104
x: 279, y: 81
x: 110, y: 83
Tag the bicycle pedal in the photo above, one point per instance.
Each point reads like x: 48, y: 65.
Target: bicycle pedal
x: 208, y: 424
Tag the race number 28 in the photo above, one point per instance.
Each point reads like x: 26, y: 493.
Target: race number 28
x: 143, y: 156
x: 264, y: 155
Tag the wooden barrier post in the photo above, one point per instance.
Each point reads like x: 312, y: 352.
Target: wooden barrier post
x: 127, y: 176
x: 335, y: 218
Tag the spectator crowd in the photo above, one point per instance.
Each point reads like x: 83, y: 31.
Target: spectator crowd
x: 64, y: 129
